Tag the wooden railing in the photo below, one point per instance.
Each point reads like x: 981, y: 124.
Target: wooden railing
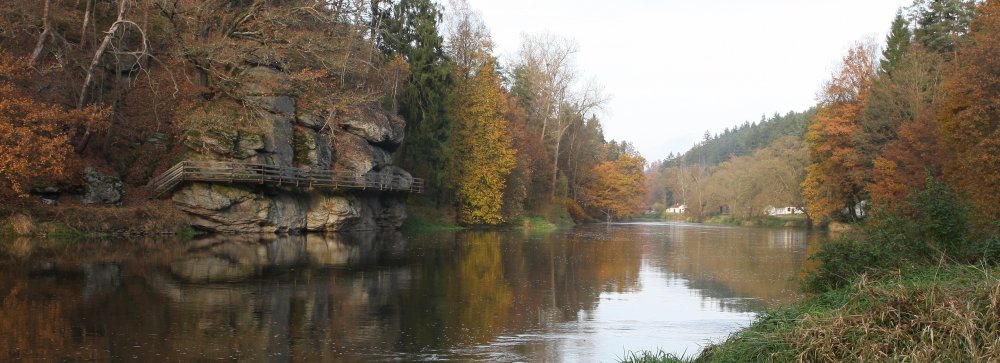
x: 250, y: 173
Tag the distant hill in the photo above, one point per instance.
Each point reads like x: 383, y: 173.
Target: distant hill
x: 744, y: 139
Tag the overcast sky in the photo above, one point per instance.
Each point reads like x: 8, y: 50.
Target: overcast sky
x: 675, y: 69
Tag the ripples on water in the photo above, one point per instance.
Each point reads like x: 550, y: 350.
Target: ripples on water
x: 586, y: 294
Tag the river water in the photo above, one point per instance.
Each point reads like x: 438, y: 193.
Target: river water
x: 586, y: 294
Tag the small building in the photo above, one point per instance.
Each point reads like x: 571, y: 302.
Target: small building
x: 784, y: 211
x: 677, y: 209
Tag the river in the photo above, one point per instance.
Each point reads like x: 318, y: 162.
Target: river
x: 585, y: 294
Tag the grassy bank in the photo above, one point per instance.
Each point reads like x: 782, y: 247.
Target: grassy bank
x: 951, y: 313
x: 75, y: 221
x: 798, y: 220
x: 947, y: 313
x: 427, y: 218
x: 918, y: 282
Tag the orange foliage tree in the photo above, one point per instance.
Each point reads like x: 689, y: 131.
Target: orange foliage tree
x: 617, y: 187
x: 836, y: 178
x: 36, y: 136
x: 970, y: 116
x: 902, y: 130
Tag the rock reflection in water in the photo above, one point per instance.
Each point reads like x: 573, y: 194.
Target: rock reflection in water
x: 571, y: 295
x: 224, y: 258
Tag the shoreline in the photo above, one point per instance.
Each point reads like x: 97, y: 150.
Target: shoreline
x: 947, y: 312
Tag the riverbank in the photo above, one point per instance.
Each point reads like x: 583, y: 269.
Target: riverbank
x: 425, y: 218
x: 947, y: 313
x: 73, y: 221
x: 919, y: 283
x: 795, y: 220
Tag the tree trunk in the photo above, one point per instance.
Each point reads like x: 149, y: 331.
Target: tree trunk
x: 86, y: 20
x: 93, y: 64
x: 555, y: 165
x: 46, y: 29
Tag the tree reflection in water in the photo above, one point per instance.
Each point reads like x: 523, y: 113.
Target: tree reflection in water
x: 500, y: 295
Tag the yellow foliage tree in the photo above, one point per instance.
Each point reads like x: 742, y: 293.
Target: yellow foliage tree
x: 618, y: 187
x: 482, y: 154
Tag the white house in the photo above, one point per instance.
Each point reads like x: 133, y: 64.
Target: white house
x: 784, y: 211
x: 677, y: 209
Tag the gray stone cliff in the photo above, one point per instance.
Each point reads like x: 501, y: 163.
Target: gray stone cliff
x: 281, y: 133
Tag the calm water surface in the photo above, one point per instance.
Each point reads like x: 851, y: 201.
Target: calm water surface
x: 587, y: 294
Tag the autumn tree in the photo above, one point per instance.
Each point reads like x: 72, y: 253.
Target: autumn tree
x: 585, y: 149
x: 528, y: 178
x: 900, y: 130
x: 469, y: 45
x: 483, y: 156
x: 37, y: 137
x: 617, y: 187
x: 836, y: 179
x: 548, y: 85
x: 770, y: 177
x: 969, y: 121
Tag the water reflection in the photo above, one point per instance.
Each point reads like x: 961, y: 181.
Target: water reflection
x: 582, y: 294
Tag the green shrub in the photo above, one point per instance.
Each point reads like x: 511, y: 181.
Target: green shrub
x: 932, y: 226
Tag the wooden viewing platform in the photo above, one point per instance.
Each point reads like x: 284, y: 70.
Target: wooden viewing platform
x: 250, y: 173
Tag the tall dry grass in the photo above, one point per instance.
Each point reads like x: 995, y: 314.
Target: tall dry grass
x: 947, y: 314
x: 152, y: 217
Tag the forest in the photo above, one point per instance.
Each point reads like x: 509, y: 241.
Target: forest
x: 894, y: 116
x: 128, y: 87
x: 901, y: 154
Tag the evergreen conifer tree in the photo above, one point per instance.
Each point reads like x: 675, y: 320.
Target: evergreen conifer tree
x: 897, y: 43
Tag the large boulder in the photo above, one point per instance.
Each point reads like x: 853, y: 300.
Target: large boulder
x: 210, y: 131
x: 375, y: 125
x: 102, y: 188
x: 222, y: 208
x: 331, y: 213
x: 379, y: 212
x: 391, y: 176
x: 314, y: 122
x: 260, y: 119
x: 356, y: 155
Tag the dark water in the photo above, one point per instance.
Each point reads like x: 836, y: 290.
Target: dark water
x: 580, y: 295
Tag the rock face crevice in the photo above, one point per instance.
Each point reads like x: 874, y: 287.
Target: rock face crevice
x: 271, y: 129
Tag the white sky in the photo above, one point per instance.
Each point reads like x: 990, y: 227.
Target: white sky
x: 675, y: 69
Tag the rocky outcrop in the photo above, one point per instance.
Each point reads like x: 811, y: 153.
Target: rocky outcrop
x: 267, y: 115
x: 101, y: 188
x: 379, y: 128
x: 235, y: 209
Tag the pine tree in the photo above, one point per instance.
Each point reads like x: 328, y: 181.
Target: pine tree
x: 410, y: 28
x: 940, y: 23
x: 896, y: 44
